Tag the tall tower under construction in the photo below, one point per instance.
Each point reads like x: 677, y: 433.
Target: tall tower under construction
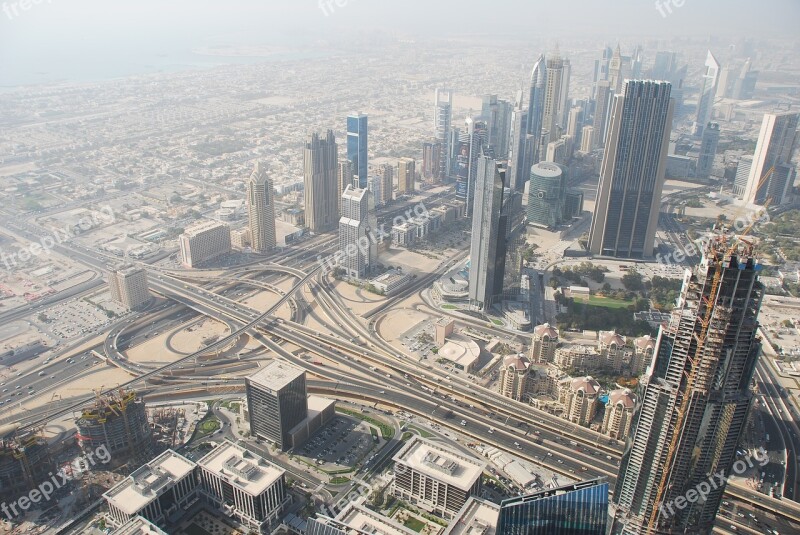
x: 119, y: 422
x: 24, y: 461
x: 695, y: 400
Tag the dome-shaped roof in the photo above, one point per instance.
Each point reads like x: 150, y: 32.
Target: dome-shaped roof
x: 545, y: 330
x: 518, y: 362
x: 611, y: 337
x: 645, y: 342
x: 623, y: 396
x: 587, y: 384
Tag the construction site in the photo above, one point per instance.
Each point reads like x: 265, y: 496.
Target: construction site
x: 117, y: 420
x: 24, y: 460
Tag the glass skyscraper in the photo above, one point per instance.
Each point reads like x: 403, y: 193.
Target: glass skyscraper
x: 579, y: 509
x: 357, y: 146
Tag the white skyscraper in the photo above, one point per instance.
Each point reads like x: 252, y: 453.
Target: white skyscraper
x: 706, y: 103
x: 261, y: 210
x: 355, y: 232
x: 774, y: 148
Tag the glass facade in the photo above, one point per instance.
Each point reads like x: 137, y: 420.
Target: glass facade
x: 579, y: 509
x: 357, y: 147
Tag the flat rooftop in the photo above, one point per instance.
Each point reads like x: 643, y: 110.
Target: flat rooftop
x: 241, y: 468
x: 477, y: 517
x: 203, y: 226
x: 441, y: 463
x: 360, y: 518
x: 139, y: 526
x: 148, y: 482
x: 461, y: 350
x: 276, y: 375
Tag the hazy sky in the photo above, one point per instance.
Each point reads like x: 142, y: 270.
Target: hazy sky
x: 68, y: 32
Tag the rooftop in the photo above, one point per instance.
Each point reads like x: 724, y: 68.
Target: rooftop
x: 242, y: 469
x: 276, y: 375
x: 148, y: 482
x: 361, y: 518
x: 461, y: 350
x: 477, y: 517
x: 441, y: 463
x: 203, y: 226
x: 139, y: 526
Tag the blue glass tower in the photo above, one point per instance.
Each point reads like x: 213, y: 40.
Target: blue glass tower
x: 357, y: 147
x: 579, y: 509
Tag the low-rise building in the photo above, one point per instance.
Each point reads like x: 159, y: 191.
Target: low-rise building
x: 355, y: 519
x: 390, y: 282
x: 477, y: 517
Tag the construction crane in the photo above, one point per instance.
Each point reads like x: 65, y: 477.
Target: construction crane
x: 692, y: 377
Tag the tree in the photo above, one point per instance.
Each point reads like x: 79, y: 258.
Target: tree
x: 633, y: 281
x: 606, y: 289
x: 553, y: 283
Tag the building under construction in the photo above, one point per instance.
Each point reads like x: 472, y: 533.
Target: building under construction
x: 696, y: 398
x: 117, y: 420
x: 24, y: 461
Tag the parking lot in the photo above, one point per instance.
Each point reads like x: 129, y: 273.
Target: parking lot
x: 342, y: 443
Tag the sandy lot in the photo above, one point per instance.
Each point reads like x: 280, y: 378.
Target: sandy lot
x: 398, y: 321
x: 190, y: 339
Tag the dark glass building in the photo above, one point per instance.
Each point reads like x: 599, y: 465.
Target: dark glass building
x: 357, y: 147
x: 277, y: 402
x: 579, y: 509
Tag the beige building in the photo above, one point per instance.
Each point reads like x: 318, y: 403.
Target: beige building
x: 406, y: 172
x: 643, y: 351
x: 612, y: 350
x: 580, y: 397
x: 261, y: 210
x: 128, y: 285
x: 321, y: 175
x: 514, y: 377
x: 545, y: 341
x: 619, y: 414
x: 386, y: 174
x: 444, y: 328
x: 204, y: 241
x: 577, y: 357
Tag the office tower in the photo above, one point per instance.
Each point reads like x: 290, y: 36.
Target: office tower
x: 618, y: 416
x: 322, y: 177
x: 557, y: 151
x: 573, y: 204
x: 616, y: 71
x: 632, y: 173
x: 244, y: 485
x: 431, y: 154
x: 602, y: 107
x: 708, y: 150
x: 563, y: 94
x: 442, y: 119
x: 664, y: 65
x: 355, y: 233
x: 705, y: 105
x: 487, y: 249
x: 406, y: 173
x: 536, y: 94
x: 465, y: 164
x: 740, y: 181
x: 553, y: 98
x: 545, y: 342
x: 165, y: 486
x: 344, y: 175
x: 600, y: 72
x: 496, y: 113
x: 587, y: 139
x: 117, y: 422
x: 204, y: 241
x: 276, y: 401
x: 546, y: 193
x: 435, y: 477
x: 775, y: 147
x: 261, y: 210
x: 575, y: 123
x: 745, y: 85
x: 375, y: 189
x: 514, y: 377
x: 576, y: 509
x: 522, y: 146
x: 580, y: 397
x: 357, y: 147
x: 696, y: 397
x: 128, y: 285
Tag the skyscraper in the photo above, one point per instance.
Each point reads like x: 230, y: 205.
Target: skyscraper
x: 522, y: 146
x: 497, y: 114
x: 536, y: 93
x: 277, y: 401
x: 708, y: 150
x: 357, y: 146
x: 128, y: 286
x: 602, y: 106
x: 632, y: 173
x: 706, y: 103
x: 431, y: 154
x: 552, y: 114
x: 546, y: 195
x: 354, y: 233
x: 487, y: 249
x: 601, y: 69
x: 696, y: 398
x: 465, y: 166
x: 261, y: 210
x: 442, y: 119
x: 344, y: 176
x: 577, y: 509
x: 406, y: 172
x: 320, y: 174
x: 616, y: 71
x: 775, y: 147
